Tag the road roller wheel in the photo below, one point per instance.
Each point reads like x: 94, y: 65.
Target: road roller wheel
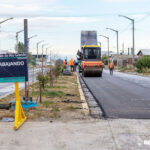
x: 83, y: 73
x: 100, y: 75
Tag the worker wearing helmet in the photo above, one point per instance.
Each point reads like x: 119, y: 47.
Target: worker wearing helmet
x: 111, y: 68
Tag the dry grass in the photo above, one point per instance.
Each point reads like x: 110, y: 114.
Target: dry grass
x: 62, y: 101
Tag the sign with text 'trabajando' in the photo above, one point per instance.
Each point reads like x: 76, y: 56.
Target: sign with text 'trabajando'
x: 13, y: 68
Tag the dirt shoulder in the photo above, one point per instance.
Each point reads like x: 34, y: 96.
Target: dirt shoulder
x: 60, y: 102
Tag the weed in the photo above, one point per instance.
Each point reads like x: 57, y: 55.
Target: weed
x: 50, y: 94
x: 72, y: 108
x: 55, y: 87
x: 47, y: 103
x: 55, y: 109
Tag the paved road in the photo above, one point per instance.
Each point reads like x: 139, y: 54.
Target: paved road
x: 122, y: 95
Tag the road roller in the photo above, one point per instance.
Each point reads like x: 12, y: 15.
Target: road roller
x: 89, y: 57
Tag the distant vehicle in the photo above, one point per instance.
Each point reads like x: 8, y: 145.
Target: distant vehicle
x: 89, y: 58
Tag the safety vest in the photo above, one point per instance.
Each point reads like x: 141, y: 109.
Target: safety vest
x: 111, y: 65
x: 64, y: 63
x: 71, y: 62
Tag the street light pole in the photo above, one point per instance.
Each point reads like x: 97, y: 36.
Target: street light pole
x: 17, y: 33
x: 38, y: 48
x: 6, y: 20
x: 107, y: 45
x: 42, y: 55
x: 46, y: 53
x: 31, y: 38
x: 133, y: 39
x: 117, y: 44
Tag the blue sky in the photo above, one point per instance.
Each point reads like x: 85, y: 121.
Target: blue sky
x: 59, y: 22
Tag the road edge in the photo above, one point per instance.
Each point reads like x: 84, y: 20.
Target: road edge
x: 82, y: 97
x: 94, y: 109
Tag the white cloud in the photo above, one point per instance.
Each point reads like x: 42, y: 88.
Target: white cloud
x: 46, y: 22
x: 126, y: 1
x: 30, y: 8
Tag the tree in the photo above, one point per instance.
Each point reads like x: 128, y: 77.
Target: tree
x: 31, y: 59
x: 20, y: 48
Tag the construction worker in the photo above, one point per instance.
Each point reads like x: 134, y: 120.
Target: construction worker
x: 111, y: 68
x: 71, y: 64
x: 65, y: 63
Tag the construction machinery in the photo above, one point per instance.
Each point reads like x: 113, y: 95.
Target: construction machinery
x: 89, y: 57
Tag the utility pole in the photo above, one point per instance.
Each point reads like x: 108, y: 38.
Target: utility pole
x: 133, y: 39
x: 107, y: 45
x: 117, y: 32
x: 26, y: 52
x: 17, y: 33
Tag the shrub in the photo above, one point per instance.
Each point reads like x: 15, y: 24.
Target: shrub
x: 143, y: 64
x: 105, y: 60
x: 43, y: 79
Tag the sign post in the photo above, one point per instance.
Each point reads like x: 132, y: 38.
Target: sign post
x: 13, y: 68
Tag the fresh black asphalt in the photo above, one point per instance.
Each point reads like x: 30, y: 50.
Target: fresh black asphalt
x: 120, y: 98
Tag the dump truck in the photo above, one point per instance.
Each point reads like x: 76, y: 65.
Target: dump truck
x: 89, y: 57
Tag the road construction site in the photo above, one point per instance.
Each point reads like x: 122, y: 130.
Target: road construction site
x: 109, y: 132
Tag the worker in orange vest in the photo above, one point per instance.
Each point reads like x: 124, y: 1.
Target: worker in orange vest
x: 65, y: 63
x: 111, y: 68
x: 71, y: 64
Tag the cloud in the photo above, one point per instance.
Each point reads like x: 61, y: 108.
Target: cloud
x: 30, y: 8
x: 126, y: 1
x: 47, y: 22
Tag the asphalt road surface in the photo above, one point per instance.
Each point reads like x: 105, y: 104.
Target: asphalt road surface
x: 122, y: 95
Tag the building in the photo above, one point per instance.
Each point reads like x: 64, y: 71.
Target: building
x: 144, y: 52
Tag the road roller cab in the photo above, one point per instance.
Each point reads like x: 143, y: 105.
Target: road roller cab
x: 91, y: 64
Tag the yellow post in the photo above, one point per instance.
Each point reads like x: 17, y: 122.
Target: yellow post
x: 19, y: 113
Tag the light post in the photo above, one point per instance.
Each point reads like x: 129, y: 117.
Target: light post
x: 38, y: 47
x: 42, y: 55
x: 116, y: 31
x: 46, y: 52
x: 17, y: 33
x: 107, y: 45
x: 6, y: 20
x: 30, y: 39
x: 133, y: 40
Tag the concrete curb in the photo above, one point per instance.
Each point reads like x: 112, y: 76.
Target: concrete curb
x: 94, y: 109
x: 82, y: 97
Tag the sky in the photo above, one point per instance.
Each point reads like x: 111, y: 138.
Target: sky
x: 59, y: 23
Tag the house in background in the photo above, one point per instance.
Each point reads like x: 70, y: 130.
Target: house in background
x: 144, y: 52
